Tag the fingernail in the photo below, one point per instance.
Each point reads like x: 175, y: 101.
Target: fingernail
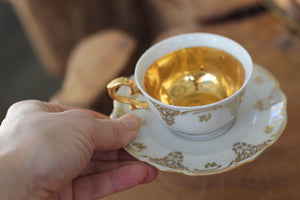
x: 131, y: 121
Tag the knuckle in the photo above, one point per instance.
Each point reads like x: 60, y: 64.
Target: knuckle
x: 23, y: 106
x: 85, y: 121
x: 78, y: 113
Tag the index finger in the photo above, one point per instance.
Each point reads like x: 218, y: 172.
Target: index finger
x: 54, y: 107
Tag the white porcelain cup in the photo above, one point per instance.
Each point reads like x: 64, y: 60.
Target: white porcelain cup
x: 191, y: 122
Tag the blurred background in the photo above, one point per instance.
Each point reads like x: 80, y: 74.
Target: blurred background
x: 68, y: 50
x: 21, y: 73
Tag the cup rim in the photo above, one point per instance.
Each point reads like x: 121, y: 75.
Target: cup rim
x: 155, y: 46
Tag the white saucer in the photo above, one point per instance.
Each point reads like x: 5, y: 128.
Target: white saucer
x: 260, y: 121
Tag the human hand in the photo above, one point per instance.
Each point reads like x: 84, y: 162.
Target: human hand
x: 49, y: 151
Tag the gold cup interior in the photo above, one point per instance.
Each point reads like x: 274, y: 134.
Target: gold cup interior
x: 194, y: 76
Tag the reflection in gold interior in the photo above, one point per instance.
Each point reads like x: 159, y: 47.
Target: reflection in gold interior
x: 194, y: 76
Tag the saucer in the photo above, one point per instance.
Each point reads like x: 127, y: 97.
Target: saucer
x: 260, y: 121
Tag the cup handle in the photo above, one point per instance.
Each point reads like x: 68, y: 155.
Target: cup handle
x: 133, y: 100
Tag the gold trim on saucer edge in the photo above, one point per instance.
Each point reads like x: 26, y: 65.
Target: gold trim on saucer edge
x: 174, y: 160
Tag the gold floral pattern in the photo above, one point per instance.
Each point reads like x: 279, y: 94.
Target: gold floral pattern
x: 258, y: 80
x: 212, y: 165
x: 136, y: 147
x: 244, y: 150
x: 168, y: 115
x: 269, y: 129
x: 234, y: 104
x: 262, y: 72
x: 139, y: 146
x: 205, y: 117
x: 143, y: 122
x: 175, y: 160
x: 273, y: 98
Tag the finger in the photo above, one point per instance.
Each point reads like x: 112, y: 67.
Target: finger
x: 113, y: 134
x: 101, y: 185
x: 101, y: 134
x: 95, y: 167
x: 29, y: 106
x: 107, y: 134
x: 120, y: 155
x: 66, y: 193
x: 53, y: 107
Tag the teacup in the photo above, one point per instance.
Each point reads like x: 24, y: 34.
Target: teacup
x: 193, y: 83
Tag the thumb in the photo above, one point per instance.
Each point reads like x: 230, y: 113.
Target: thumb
x: 112, y: 134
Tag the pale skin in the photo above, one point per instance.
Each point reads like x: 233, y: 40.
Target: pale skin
x: 50, y: 151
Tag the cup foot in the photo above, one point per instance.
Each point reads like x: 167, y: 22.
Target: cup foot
x: 204, y: 136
